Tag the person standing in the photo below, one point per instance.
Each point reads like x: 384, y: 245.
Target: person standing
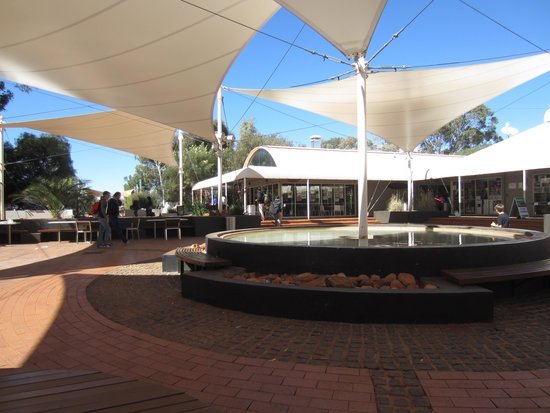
x: 503, y: 220
x: 276, y: 210
x: 113, y: 212
x: 260, y: 199
x: 104, y: 237
x: 149, y: 207
x: 135, y: 203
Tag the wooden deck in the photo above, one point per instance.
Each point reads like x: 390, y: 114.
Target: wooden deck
x: 504, y: 273
x: 23, y: 390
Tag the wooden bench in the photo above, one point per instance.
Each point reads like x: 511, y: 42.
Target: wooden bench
x: 196, y: 259
x: 503, y: 273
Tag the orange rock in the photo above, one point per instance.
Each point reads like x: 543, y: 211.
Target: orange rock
x: 305, y: 277
x: 406, y: 278
x: 375, y: 277
x: 340, y: 282
x: 430, y: 286
x: 390, y: 277
x: 396, y: 284
x: 318, y: 282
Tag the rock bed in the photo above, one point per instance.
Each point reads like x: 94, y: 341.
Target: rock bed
x: 391, y: 281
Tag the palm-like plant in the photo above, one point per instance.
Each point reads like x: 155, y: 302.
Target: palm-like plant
x: 53, y: 194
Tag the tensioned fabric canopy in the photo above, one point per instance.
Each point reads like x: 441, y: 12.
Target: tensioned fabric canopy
x: 347, y: 25
x: 112, y: 129
x: 406, y: 107
x: 159, y: 60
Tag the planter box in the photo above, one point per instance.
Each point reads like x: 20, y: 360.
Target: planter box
x: 411, y: 217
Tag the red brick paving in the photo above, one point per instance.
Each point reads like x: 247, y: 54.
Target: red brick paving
x: 46, y: 321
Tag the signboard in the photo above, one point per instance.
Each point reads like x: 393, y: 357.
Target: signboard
x: 519, y: 205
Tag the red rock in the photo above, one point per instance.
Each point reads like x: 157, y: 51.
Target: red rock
x: 318, y: 282
x: 406, y: 278
x: 306, y: 276
x: 390, y: 277
x: 277, y: 280
x: 363, y: 283
x: 396, y: 284
x: 340, y: 282
x: 375, y: 277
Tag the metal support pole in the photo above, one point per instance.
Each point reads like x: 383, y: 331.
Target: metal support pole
x: 307, y: 198
x: 2, y: 200
x: 361, y: 77
x: 180, y: 163
x: 410, y: 187
x: 219, y: 136
x: 245, y: 198
x: 459, y: 196
x: 524, y: 183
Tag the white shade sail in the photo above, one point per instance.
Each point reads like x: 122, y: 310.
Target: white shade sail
x: 159, y: 60
x: 348, y: 25
x: 113, y: 129
x: 406, y: 107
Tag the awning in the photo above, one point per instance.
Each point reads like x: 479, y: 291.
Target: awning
x: 347, y: 25
x: 406, y: 107
x: 159, y: 60
x: 113, y: 129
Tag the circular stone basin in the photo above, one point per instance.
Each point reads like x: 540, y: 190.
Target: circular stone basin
x: 423, y: 250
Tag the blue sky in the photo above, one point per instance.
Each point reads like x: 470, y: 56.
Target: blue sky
x: 447, y: 31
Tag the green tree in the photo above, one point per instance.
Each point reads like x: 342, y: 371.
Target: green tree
x: 249, y: 139
x: 340, y: 143
x: 470, y: 130
x: 56, y: 194
x: 32, y: 157
x: 6, y: 95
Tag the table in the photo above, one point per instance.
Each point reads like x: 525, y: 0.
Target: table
x: 74, y: 222
x: 154, y: 221
x: 9, y: 224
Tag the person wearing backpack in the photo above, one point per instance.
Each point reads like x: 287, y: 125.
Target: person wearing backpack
x: 95, y: 208
x: 104, y: 237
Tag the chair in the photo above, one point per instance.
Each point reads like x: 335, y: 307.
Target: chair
x: 85, y: 228
x: 133, y: 227
x: 172, y: 224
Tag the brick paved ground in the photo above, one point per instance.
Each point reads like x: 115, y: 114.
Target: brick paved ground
x: 239, y: 362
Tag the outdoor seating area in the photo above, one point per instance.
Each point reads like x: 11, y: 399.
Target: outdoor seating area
x: 86, y: 230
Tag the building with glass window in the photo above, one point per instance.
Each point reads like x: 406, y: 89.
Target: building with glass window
x: 314, y: 182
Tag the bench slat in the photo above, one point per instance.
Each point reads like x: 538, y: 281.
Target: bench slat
x: 468, y: 276
x: 200, y: 259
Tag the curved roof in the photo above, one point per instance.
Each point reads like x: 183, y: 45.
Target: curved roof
x: 298, y: 163
x: 527, y: 150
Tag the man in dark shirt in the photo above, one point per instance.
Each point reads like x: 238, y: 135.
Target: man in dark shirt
x: 503, y: 220
x: 104, y: 236
x: 113, y: 211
